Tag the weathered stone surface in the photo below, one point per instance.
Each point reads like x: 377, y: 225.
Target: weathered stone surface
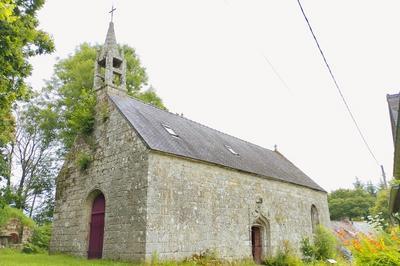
x: 119, y: 171
x: 14, y: 233
x: 175, y: 207
x: 193, y: 206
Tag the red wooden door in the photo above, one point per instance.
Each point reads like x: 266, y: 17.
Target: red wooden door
x: 97, y: 228
x: 256, y: 244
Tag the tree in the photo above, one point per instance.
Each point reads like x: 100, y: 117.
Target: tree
x: 358, y: 184
x: 350, y: 203
x: 371, y: 189
x: 20, y: 39
x: 71, y: 88
x: 33, y: 156
x: 381, y: 206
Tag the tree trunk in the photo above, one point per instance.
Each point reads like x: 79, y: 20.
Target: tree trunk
x: 33, y: 204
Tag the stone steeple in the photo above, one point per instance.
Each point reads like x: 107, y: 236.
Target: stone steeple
x: 110, y: 65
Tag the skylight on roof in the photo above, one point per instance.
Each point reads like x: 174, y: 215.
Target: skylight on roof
x: 170, y: 130
x: 229, y: 148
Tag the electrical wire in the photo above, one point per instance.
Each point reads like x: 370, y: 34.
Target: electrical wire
x: 277, y: 74
x: 284, y: 83
x: 337, y: 86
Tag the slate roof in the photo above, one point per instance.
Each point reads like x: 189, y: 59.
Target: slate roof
x: 199, y: 142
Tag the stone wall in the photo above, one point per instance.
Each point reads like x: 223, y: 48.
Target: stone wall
x: 10, y: 233
x: 195, y: 206
x: 119, y: 171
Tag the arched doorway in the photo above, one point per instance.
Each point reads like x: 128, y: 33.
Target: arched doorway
x: 97, y: 227
x: 260, y: 239
x: 256, y: 244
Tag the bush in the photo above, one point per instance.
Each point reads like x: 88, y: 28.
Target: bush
x: 285, y: 257
x: 41, y: 236
x: 308, y: 250
x: 84, y: 161
x: 30, y: 248
x: 325, y: 244
x: 322, y: 248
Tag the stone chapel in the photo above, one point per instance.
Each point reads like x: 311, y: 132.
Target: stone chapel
x: 161, y: 183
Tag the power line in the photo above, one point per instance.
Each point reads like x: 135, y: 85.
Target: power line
x: 277, y: 74
x: 284, y: 83
x: 337, y: 85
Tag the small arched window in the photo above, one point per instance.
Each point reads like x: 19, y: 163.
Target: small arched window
x: 314, y: 218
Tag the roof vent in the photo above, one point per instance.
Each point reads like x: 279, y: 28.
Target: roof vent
x: 229, y: 148
x: 170, y: 130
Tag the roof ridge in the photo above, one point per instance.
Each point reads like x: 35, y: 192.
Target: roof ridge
x: 257, y: 160
x: 167, y: 111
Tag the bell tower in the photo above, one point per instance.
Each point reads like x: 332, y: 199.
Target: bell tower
x: 110, y: 65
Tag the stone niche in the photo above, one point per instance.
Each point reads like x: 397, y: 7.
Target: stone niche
x: 13, y: 234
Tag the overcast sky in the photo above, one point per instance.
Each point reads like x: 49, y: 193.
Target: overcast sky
x: 206, y: 59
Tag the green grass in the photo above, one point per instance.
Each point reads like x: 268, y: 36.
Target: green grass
x: 9, y: 257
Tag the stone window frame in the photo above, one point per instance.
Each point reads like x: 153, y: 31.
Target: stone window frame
x: 315, y: 219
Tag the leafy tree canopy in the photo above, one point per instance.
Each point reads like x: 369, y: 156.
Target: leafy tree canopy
x: 350, y: 203
x: 381, y: 206
x: 71, y: 88
x: 20, y: 39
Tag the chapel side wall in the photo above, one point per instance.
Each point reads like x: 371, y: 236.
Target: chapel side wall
x: 119, y: 170
x: 194, y: 207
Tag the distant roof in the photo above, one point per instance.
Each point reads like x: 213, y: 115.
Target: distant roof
x: 202, y: 143
x: 393, y: 102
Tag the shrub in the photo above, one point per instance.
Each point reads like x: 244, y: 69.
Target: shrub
x: 285, y: 257
x: 30, y: 248
x: 41, y: 236
x: 324, y: 243
x: 377, y: 222
x: 307, y: 249
x: 382, y: 250
x: 84, y: 161
x: 104, y: 112
x: 322, y: 248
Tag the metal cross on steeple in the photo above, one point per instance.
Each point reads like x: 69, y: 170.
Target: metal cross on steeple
x: 112, y: 12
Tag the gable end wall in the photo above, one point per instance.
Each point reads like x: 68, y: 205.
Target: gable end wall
x: 119, y: 170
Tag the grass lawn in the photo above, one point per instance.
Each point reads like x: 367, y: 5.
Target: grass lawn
x: 9, y: 257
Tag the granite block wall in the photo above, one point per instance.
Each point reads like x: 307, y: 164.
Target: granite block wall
x: 119, y: 170
x: 194, y: 206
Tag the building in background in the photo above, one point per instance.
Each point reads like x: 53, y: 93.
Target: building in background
x: 394, y: 103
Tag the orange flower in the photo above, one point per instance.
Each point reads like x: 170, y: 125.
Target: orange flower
x: 356, y: 244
